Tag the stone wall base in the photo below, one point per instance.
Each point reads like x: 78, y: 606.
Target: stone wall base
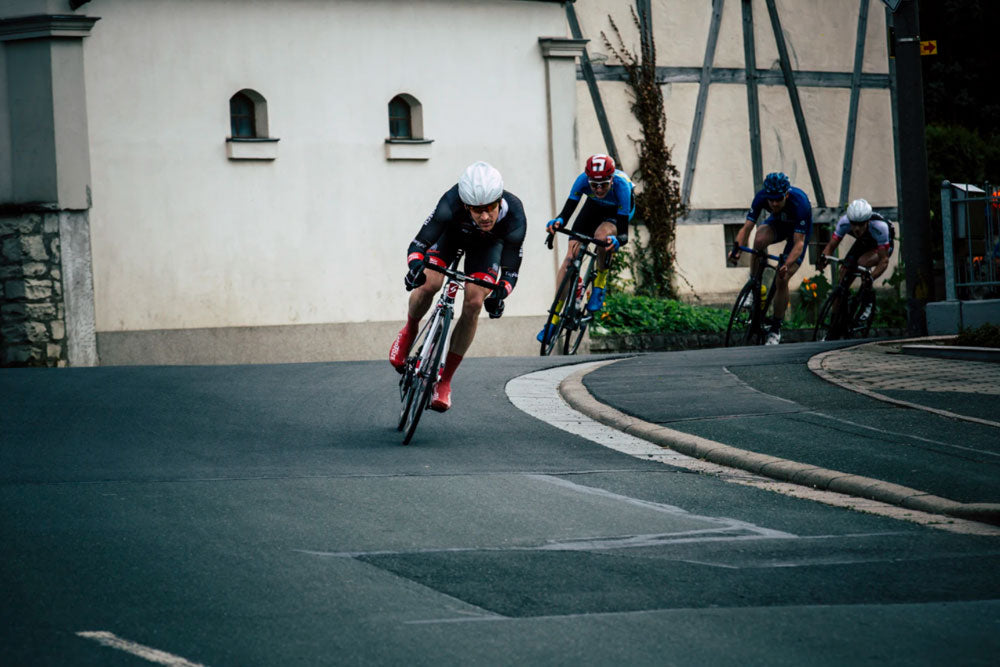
x: 32, y: 310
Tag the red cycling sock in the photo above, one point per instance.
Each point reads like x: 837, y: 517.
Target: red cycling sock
x: 451, y: 363
x: 412, y: 325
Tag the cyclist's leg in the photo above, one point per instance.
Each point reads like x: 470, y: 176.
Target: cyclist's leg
x: 606, y: 229
x: 419, y: 303
x: 765, y: 236
x: 482, y: 261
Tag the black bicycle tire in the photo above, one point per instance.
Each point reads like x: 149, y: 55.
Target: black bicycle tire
x: 407, y: 401
x: 428, y: 376
x: 573, y: 337
x: 733, y: 317
x: 549, y: 343
x: 826, y: 313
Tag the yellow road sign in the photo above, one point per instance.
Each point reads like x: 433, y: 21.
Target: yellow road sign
x: 928, y: 48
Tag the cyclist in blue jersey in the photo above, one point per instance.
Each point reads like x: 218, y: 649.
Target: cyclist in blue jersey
x: 476, y: 214
x: 874, y: 239
x: 609, y: 207
x: 790, y: 221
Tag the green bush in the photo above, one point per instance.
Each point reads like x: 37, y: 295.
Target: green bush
x: 631, y: 314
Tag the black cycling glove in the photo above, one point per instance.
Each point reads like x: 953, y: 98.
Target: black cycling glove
x: 415, y: 277
x: 494, y: 302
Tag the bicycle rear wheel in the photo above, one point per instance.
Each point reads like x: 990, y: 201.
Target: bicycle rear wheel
x: 565, y: 287
x: 741, y: 321
x: 578, y: 318
x: 426, y: 376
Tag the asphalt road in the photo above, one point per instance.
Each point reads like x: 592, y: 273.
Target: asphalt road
x: 263, y: 515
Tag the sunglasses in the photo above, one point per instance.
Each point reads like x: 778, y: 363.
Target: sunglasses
x: 598, y: 184
x: 858, y: 223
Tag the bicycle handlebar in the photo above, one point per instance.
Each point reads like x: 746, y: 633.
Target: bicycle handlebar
x: 857, y: 267
x: 573, y: 235
x: 459, y: 276
x: 759, y: 253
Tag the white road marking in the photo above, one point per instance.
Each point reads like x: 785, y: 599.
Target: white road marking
x: 538, y: 395
x: 112, y: 640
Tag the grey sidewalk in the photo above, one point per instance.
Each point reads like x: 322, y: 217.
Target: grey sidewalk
x: 931, y: 440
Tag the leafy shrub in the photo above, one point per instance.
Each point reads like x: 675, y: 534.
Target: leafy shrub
x: 631, y: 314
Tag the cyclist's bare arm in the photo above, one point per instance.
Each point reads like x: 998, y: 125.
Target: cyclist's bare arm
x: 742, y: 235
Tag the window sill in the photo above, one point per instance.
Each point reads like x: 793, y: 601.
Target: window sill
x: 408, y: 149
x: 252, y: 149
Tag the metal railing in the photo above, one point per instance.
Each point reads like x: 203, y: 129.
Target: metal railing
x: 970, y: 219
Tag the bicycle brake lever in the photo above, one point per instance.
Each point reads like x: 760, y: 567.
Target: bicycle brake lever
x: 549, y: 240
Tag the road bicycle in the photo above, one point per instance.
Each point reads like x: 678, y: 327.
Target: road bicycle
x: 569, y: 307
x: 423, y: 367
x: 746, y: 322
x: 847, y: 314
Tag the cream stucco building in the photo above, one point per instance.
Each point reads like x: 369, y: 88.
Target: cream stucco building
x: 217, y: 181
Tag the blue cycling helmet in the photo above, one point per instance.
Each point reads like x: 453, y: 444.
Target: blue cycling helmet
x: 776, y: 184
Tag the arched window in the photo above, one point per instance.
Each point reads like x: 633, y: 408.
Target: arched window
x: 406, y: 130
x: 248, y: 115
x: 249, y: 138
x: 400, y: 121
x: 242, y: 119
x: 406, y: 118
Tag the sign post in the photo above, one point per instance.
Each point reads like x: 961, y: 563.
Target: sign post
x: 915, y: 204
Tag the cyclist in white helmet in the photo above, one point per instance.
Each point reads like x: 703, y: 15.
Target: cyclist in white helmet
x: 874, y: 239
x: 476, y: 214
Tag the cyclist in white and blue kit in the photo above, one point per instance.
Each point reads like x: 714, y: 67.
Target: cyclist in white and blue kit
x: 874, y: 239
x: 609, y: 207
x: 790, y: 221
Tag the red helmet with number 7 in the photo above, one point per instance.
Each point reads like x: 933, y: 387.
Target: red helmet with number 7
x: 600, y: 167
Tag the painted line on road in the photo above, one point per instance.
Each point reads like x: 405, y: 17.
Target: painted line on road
x: 557, y: 396
x: 816, y: 366
x: 111, y: 640
x: 847, y: 421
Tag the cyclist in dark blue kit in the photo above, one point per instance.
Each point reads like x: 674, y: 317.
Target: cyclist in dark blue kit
x: 790, y: 221
x: 605, y: 216
x: 476, y: 214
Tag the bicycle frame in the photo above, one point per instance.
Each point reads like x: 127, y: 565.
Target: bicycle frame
x: 853, y: 318
x: 747, y: 328
x: 573, y: 317
x: 423, y: 369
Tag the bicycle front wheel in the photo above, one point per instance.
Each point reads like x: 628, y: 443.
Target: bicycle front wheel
x: 830, y: 323
x: 578, y: 318
x: 427, y: 375
x: 741, y: 320
x: 560, y: 306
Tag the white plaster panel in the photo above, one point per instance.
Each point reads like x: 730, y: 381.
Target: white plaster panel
x: 701, y: 260
x: 183, y: 237
x: 724, y: 174
x: 876, y: 58
x: 873, y: 176
x: 819, y: 37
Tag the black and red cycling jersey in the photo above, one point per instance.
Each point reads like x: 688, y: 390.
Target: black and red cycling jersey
x: 450, y: 227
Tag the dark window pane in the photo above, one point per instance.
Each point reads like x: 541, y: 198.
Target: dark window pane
x: 399, y: 119
x: 241, y: 117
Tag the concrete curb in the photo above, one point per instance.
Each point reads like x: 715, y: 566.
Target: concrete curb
x: 576, y: 394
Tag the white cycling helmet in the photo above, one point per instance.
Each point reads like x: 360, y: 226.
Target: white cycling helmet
x: 480, y: 185
x: 859, y: 211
